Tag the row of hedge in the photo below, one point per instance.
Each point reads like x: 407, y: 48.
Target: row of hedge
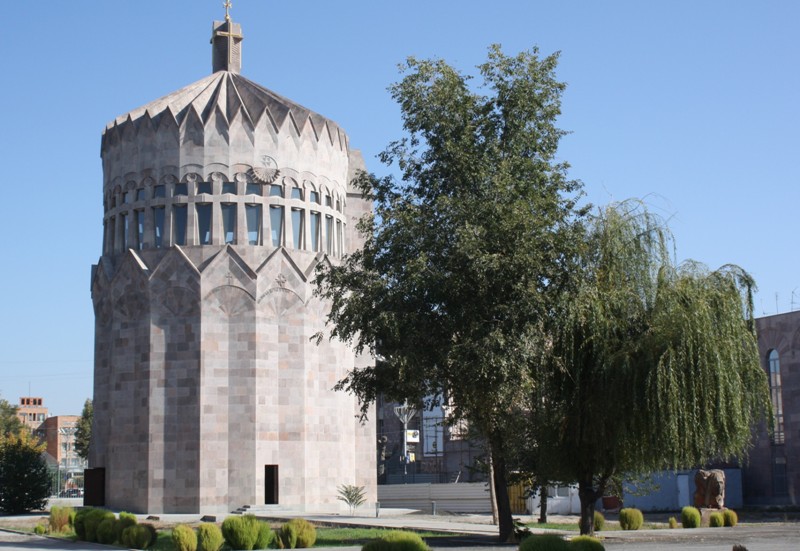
x: 245, y: 532
x: 691, y: 518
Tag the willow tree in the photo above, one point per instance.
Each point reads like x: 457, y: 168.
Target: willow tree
x: 465, y: 254
x: 655, y: 366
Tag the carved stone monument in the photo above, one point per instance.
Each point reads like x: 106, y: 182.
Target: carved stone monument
x: 709, y: 489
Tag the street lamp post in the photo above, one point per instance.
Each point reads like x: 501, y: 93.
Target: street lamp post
x: 405, y: 413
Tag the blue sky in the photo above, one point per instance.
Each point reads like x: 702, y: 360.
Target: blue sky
x: 692, y: 105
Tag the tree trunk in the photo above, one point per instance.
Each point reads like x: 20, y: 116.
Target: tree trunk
x: 492, y: 493
x: 505, y: 518
x: 543, y: 493
x: 588, y: 496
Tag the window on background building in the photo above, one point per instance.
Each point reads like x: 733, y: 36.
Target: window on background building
x: 328, y: 201
x: 297, y: 193
x: 229, y: 187
x: 127, y: 197
x: 140, y: 194
x: 329, y: 234
x: 275, y: 190
x: 315, y: 227
x: 158, y: 227
x: 777, y: 399
x: 125, y: 232
x: 159, y: 192
x: 229, y: 222
x: 139, y: 229
x: 276, y: 225
x: 253, y: 215
x: 338, y: 205
x: 204, y: 223
x: 339, y: 238
x: 180, y: 189
x: 298, y: 219
x: 315, y: 197
x: 204, y: 187
x: 779, y: 481
x: 179, y: 220
x: 253, y: 189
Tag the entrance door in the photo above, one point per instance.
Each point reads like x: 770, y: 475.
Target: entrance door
x: 271, y: 484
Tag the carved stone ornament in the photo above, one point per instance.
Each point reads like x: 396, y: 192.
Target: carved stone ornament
x: 268, y: 173
x: 709, y: 489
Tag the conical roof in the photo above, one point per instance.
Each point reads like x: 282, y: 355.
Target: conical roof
x: 231, y: 94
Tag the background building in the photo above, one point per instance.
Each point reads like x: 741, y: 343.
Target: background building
x: 31, y: 412
x: 58, y: 434
x: 220, y: 201
x: 771, y: 475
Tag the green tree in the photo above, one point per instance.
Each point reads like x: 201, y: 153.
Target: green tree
x: 656, y: 366
x: 83, y: 433
x: 463, y: 257
x: 24, y: 476
x: 9, y: 422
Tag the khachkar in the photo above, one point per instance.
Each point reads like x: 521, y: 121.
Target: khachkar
x: 220, y: 200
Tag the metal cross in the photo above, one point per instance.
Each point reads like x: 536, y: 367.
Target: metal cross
x: 227, y: 6
x: 229, y: 33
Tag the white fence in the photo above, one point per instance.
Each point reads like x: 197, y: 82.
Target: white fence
x: 464, y: 497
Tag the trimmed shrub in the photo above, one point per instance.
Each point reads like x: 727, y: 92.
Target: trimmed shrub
x: 240, y: 532
x: 107, y: 531
x: 92, y: 521
x: 544, y: 542
x: 265, y: 536
x: 630, y: 519
x: 79, y: 522
x: 59, y: 518
x: 673, y: 523
x: 288, y: 536
x: 690, y: 517
x: 139, y: 536
x: 184, y: 538
x: 599, y: 521
x: 716, y: 520
x: 306, y: 533
x: 125, y: 520
x: 731, y: 518
x: 209, y: 537
x: 39, y: 530
x: 397, y: 540
x: 585, y: 543
x: 72, y: 514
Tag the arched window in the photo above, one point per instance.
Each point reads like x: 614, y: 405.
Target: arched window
x: 775, y: 394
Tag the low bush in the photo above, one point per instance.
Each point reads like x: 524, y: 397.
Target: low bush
x: 79, y: 522
x: 125, y: 520
x: 92, y: 522
x: 240, y: 532
x: 544, y: 542
x: 139, y: 536
x: 690, y: 517
x: 107, y: 530
x: 287, y: 534
x: 397, y: 540
x: 716, y: 520
x: 184, y: 538
x: 265, y: 536
x: 673, y: 523
x: 585, y: 543
x: 599, y: 521
x: 59, y: 518
x: 731, y: 518
x: 630, y: 519
x: 306, y: 533
x: 39, y: 530
x: 209, y: 537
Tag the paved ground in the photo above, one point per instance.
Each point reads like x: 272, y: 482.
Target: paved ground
x: 477, y: 532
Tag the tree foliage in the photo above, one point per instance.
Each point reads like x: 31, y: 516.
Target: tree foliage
x: 9, y: 422
x: 24, y: 476
x: 654, y: 365
x: 464, y: 255
x: 83, y: 432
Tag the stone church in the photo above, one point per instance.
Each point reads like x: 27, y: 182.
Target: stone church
x: 220, y: 200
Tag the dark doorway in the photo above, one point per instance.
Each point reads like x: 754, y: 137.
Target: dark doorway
x: 94, y: 484
x: 271, y: 484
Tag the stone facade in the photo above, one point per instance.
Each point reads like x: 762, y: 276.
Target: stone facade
x: 771, y: 475
x: 220, y: 201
